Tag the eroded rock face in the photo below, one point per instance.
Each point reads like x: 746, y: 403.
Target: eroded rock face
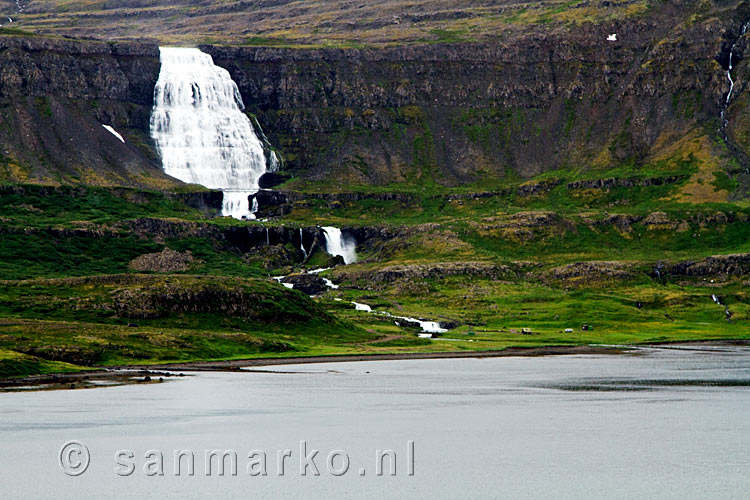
x: 56, y: 94
x: 592, y: 271
x: 539, y: 99
x: 524, y: 103
x: 715, y: 266
x: 166, y: 261
x: 413, y: 275
x: 273, y: 256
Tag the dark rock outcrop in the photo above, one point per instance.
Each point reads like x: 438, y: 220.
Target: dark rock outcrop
x: 309, y: 284
x: 270, y: 180
x: 587, y: 272
x: 439, y: 270
x: 717, y: 266
x: 209, y: 202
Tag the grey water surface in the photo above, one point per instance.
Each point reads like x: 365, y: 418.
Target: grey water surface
x: 661, y: 424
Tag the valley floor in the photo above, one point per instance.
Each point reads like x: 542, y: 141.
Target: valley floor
x: 98, y: 277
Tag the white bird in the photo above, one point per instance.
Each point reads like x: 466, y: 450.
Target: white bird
x: 612, y: 37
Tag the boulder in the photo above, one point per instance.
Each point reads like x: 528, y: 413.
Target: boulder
x: 309, y: 284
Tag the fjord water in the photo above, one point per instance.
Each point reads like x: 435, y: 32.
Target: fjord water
x: 663, y: 424
x: 201, y: 131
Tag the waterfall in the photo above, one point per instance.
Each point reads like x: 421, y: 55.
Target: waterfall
x: 302, y: 244
x: 725, y: 107
x: 268, y: 238
x: 201, y: 131
x: 338, y: 244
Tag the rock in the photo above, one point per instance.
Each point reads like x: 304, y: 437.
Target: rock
x: 280, y: 203
x: 68, y: 89
x: 628, y: 182
x: 432, y: 271
x: 272, y: 257
x: 591, y: 271
x: 448, y: 324
x: 166, y: 261
x: 405, y: 323
x: 309, y: 284
x: 714, y: 266
x: 660, y: 221
x: 209, y: 202
x: 270, y: 180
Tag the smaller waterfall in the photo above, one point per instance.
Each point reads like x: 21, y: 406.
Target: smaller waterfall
x: 302, y: 244
x: 362, y: 307
x: 268, y: 238
x: 235, y: 204
x: 338, y: 244
x: 724, y: 120
x: 731, y: 55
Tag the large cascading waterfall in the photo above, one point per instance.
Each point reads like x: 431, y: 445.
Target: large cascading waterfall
x: 339, y: 244
x: 201, y: 131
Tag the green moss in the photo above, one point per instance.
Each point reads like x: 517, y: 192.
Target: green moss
x: 723, y: 181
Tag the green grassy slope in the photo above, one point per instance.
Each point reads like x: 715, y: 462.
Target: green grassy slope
x: 306, y: 23
x: 557, y: 258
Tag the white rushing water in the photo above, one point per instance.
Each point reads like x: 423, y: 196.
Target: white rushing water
x: 201, y: 131
x: 338, y: 244
x: 302, y: 243
x: 426, y: 326
x: 724, y: 120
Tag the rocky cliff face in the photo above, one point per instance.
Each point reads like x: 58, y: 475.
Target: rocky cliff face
x: 451, y: 114
x: 461, y: 113
x: 56, y: 94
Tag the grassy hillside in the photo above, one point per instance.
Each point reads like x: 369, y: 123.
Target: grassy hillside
x: 506, y: 167
x: 109, y: 320
x: 630, y: 258
x: 312, y: 23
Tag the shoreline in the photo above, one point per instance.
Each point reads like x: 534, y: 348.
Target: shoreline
x: 238, y: 364
x: 132, y: 374
x: 135, y: 374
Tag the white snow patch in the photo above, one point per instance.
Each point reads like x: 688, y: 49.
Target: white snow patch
x: 114, y: 132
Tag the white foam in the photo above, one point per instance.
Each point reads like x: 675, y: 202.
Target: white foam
x: 338, y: 244
x: 201, y: 131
